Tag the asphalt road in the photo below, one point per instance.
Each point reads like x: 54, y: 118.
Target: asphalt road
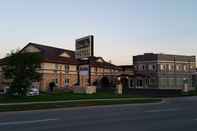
x: 177, y: 114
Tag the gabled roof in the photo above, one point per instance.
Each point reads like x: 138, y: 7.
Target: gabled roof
x: 95, y: 61
x: 59, y: 56
x: 53, y: 54
x: 126, y: 67
x: 3, y: 61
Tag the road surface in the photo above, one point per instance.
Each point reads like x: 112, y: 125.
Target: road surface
x: 176, y: 114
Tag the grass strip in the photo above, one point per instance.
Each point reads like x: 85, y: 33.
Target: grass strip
x: 62, y: 96
x: 5, y: 108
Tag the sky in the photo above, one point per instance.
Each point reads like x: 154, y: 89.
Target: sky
x: 122, y: 28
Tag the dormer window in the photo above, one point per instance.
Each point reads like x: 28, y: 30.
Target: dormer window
x: 31, y: 49
x: 100, y: 60
x: 65, y: 55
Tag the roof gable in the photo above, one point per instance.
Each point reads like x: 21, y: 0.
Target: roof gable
x: 30, y: 49
x: 65, y: 54
x: 56, y: 55
x: 100, y: 60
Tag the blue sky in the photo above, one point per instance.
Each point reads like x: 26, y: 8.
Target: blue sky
x: 122, y: 28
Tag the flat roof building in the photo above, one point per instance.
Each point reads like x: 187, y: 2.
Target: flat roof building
x: 164, y: 71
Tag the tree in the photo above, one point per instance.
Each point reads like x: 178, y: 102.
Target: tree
x: 21, y: 69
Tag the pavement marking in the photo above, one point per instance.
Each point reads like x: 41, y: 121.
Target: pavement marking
x: 161, y: 110
x: 26, y: 122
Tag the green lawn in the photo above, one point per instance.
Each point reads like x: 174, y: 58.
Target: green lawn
x: 84, y: 103
x: 64, y: 100
x: 62, y: 96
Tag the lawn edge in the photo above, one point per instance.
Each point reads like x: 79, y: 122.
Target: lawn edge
x: 77, y: 104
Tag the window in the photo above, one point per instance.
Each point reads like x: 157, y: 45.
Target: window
x: 180, y: 82
x: 185, y: 68
x: 154, y: 67
x: 171, y: 67
x: 152, y: 82
x: 66, y: 68
x: 143, y: 67
x: 167, y: 67
x: 56, y: 81
x: 92, y: 69
x: 161, y: 67
x: 171, y: 82
x: 56, y: 66
x: 131, y: 83
x: 136, y: 67
x: 139, y: 83
x: 140, y: 67
x: 147, y: 81
x: 191, y: 67
x: 149, y: 67
x: 177, y: 67
x: 66, y: 81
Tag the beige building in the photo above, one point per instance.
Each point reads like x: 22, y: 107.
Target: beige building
x: 101, y: 73
x: 61, y: 67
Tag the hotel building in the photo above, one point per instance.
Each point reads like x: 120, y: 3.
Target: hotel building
x: 61, y: 66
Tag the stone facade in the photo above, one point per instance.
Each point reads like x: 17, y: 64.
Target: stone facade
x: 164, y: 71
x: 149, y: 71
x: 97, y: 73
x: 60, y: 67
x: 69, y: 78
x: 99, y: 70
x: 62, y: 75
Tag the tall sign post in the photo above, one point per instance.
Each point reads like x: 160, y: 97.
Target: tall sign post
x: 84, y: 47
x: 84, y: 50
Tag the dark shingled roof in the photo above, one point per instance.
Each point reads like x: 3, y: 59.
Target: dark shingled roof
x: 94, y: 62
x: 1, y: 61
x: 52, y: 54
x: 126, y: 67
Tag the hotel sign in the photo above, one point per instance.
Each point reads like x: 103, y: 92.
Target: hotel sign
x: 84, y: 70
x: 84, y: 47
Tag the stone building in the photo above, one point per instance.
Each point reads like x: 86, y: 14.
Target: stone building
x: 163, y: 71
x: 61, y: 67
x: 101, y: 73
x: 126, y: 75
